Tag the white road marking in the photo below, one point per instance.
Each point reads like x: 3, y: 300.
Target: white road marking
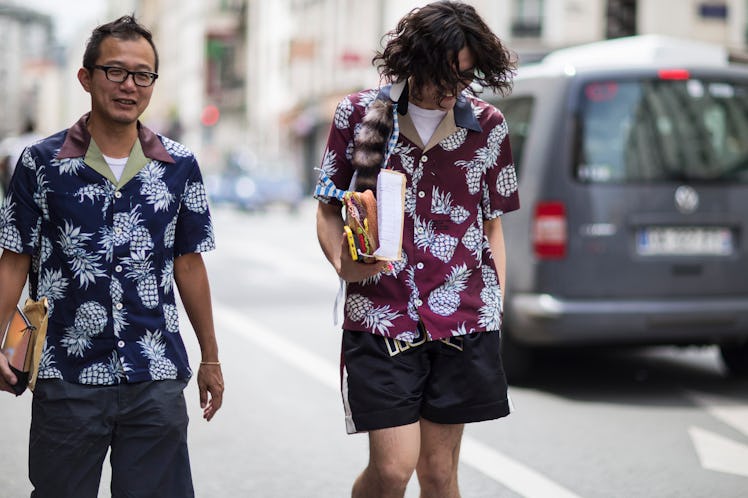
x: 719, y: 453
x: 729, y: 411
x: 495, y: 465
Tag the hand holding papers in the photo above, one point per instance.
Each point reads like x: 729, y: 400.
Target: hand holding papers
x: 374, y: 228
x: 391, y: 214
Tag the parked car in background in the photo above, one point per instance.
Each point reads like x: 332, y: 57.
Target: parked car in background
x: 632, y: 157
x: 255, y: 185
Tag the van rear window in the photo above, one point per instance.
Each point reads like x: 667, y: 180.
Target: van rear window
x: 662, y: 130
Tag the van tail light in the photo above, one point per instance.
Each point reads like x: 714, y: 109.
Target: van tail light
x: 549, y: 233
x: 673, y: 74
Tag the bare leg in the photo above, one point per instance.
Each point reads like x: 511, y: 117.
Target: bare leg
x: 438, y: 460
x: 393, y: 454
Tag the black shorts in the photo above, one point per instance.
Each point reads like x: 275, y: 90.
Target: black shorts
x: 388, y: 383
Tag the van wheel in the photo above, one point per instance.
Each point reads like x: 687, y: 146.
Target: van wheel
x: 516, y: 359
x: 735, y: 357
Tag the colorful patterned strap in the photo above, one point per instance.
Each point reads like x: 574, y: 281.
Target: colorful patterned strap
x: 393, y: 137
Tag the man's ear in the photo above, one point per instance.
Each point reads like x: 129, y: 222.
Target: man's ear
x: 84, y: 76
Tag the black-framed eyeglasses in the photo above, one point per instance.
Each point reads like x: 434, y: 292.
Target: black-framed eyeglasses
x: 117, y: 74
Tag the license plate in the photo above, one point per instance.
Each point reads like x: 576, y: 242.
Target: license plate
x: 684, y: 241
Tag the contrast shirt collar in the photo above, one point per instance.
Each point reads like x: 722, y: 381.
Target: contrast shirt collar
x: 78, y: 140
x: 135, y: 162
x: 463, y: 111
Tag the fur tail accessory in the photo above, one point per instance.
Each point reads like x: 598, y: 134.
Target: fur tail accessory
x: 370, y: 144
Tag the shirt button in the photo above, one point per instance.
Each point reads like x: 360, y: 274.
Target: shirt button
x: 419, y: 266
x: 424, y: 158
x: 118, y: 194
x: 118, y: 268
x: 421, y: 194
x: 117, y: 230
x: 419, y: 302
x: 121, y: 344
x: 419, y: 230
x: 118, y: 306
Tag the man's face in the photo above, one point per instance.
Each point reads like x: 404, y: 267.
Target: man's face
x: 119, y: 103
x: 430, y: 98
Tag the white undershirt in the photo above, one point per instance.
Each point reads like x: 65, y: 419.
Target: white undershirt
x: 117, y: 165
x: 425, y: 120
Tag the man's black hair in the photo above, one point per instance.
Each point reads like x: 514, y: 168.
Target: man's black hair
x: 124, y: 28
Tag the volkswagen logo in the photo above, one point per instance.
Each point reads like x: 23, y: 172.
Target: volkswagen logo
x: 686, y: 199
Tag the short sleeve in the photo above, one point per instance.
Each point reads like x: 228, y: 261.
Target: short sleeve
x: 20, y: 214
x: 194, y: 226
x: 335, y: 172
x: 501, y: 190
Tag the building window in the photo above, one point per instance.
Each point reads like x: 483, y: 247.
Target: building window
x: 528, y: 18
x: 621, y: 18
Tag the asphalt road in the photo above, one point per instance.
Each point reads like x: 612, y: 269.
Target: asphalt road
x: 661, y: 422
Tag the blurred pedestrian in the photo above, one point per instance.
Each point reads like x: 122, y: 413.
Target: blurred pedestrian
x: 420, y: 346
x: 11, y: 149
x: 103, y: 218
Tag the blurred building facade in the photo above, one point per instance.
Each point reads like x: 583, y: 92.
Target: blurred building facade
x: 29, y: 70
x: 264, y: 76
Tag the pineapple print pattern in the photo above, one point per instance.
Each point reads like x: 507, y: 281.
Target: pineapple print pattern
x: 53, y: 286
x: 167, y: 276
x: 441, y: 203
x: 410, y: 281
x: 408, y: 336
x: 208, y: 243
x: 473, y: 239
x: 69, y: 165
x: 445, y: 299
x: 377, y: 319
x: 90, y: 320
x: 175, y: 149
x: 41, y: 191
x: 153, y: 348
x: 93, y: 193
x: 343, y: 114
x: 440, y: 245
x: 170, y: 233
x: 172, y: 318
x: 506, y: 183
x: 461, y: 330
x: 490, y: 313
x: 485, y: 158
x: 141, y: 271
x: 126, y: 228
x: 195, y: 198
x: 104, y: 374
x: 455, y: 140
x: 154, y: 189
x: 85, y: 265
x: 118, y: 315
x: 47, y: 368
x: 10, y: 237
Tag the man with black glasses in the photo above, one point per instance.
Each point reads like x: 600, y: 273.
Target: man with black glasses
x: 103, y: 218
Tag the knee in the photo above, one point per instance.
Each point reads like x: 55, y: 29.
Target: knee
x: 392, y: 474
x: 437, y: 473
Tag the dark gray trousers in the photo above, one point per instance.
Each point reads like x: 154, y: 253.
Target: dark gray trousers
x: 145, y: 425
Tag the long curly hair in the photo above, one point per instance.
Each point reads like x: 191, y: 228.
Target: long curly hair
x: 425, y: 45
